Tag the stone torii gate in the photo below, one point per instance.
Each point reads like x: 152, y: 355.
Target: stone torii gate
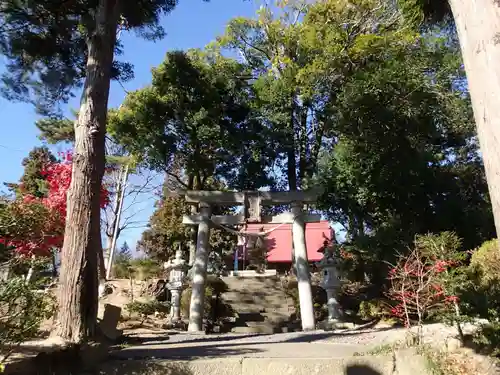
x: 252, y: 202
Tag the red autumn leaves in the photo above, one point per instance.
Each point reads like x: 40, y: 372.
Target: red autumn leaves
x: 418, y: 287
x: 42, y: 220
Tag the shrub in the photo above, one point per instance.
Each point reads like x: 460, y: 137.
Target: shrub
x: 374, y: 309
x: 23, y: 307
x: 319, y: 299
x: 482, y: 295
x: 186, y: 302
x: 419, y: 280
x: 146, y: 309
x: 215, y: 309
x: 488, y: 338
x: 145, y: 268
x: 485, y: 263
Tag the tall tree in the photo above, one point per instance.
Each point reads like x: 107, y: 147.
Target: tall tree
x: 406, y: 158
x: 477, y: 23
x: 195, y: 124
x: 300, y: 56
x: 204, y: 99
x: 33, y: 180
x: 52, y: 47
x: 122, y: 175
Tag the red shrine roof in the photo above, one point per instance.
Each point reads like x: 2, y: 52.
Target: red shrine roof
x: 279, y: 241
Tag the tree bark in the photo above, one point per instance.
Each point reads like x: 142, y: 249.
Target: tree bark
x: 101, y: 265
x: 478, y: 27
x: 78, y: 292
x: 291, y: 160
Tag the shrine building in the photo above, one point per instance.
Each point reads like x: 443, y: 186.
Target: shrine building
x: 278, y: 244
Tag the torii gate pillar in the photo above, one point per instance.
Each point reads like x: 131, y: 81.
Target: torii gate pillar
x: 302, y: 267
x: 196, y: 306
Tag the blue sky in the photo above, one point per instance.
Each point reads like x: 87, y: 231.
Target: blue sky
x: 193, y: 24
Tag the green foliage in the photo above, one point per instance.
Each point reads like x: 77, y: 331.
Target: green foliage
x: 23, y: 307
x: 374, y: 309
x: 166, y: 231
x: 145, y: 309
x: 488, y: 338
x: 204, y: 100
x: 405, y: 154
x: 418, y: 12
x: 485, y: 263
x: 122, y: 267
x: 45, y: 45
x: 32, y: 181
x: 300, y: 66
x: 145, y: 268
x: 55, y: 130
x: 481, y: 296
x: 319, y: 299
x: 215, y: 310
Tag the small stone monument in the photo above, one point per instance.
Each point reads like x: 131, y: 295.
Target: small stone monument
x: 110, y: 320
x: 4, y: 271
x: 331, y: 283
x: 177, y: 269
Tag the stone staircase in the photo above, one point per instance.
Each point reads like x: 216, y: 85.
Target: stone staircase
x: 260, y: 303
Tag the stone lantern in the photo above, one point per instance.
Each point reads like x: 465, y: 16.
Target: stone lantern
x: 177, y: 268
x: 331, y: 283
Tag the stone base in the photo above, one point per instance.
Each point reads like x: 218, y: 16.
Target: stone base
x: 195, y: 333
x: 252, y: 273
x: 330, y: 325
x: 177, y: 324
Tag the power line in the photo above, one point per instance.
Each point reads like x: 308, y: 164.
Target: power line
x: 12, y: 149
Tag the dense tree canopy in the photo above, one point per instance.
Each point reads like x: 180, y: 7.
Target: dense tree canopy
x: 348, y: 94
x: 33, y: 180
x: 406, y: 157
x: 336, y: 93
x: 300, y: 58
x: 45, y: 43
x: 196, y: 116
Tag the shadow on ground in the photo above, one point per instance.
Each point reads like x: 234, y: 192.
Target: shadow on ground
x: 136, y: 340
x: 300, y: 338
x: 361, y: 370
x: 187, y: 352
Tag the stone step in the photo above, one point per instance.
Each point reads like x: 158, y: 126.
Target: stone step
x: 305, y: 362
x: 260, y: 304
x: 263, y: 328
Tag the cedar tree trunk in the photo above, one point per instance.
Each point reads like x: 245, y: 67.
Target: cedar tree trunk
x: 78, y: 292
x: 478, y: 27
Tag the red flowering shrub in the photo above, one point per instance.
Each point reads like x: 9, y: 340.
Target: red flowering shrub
x: 42, y: 220
x: 418, y: 288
